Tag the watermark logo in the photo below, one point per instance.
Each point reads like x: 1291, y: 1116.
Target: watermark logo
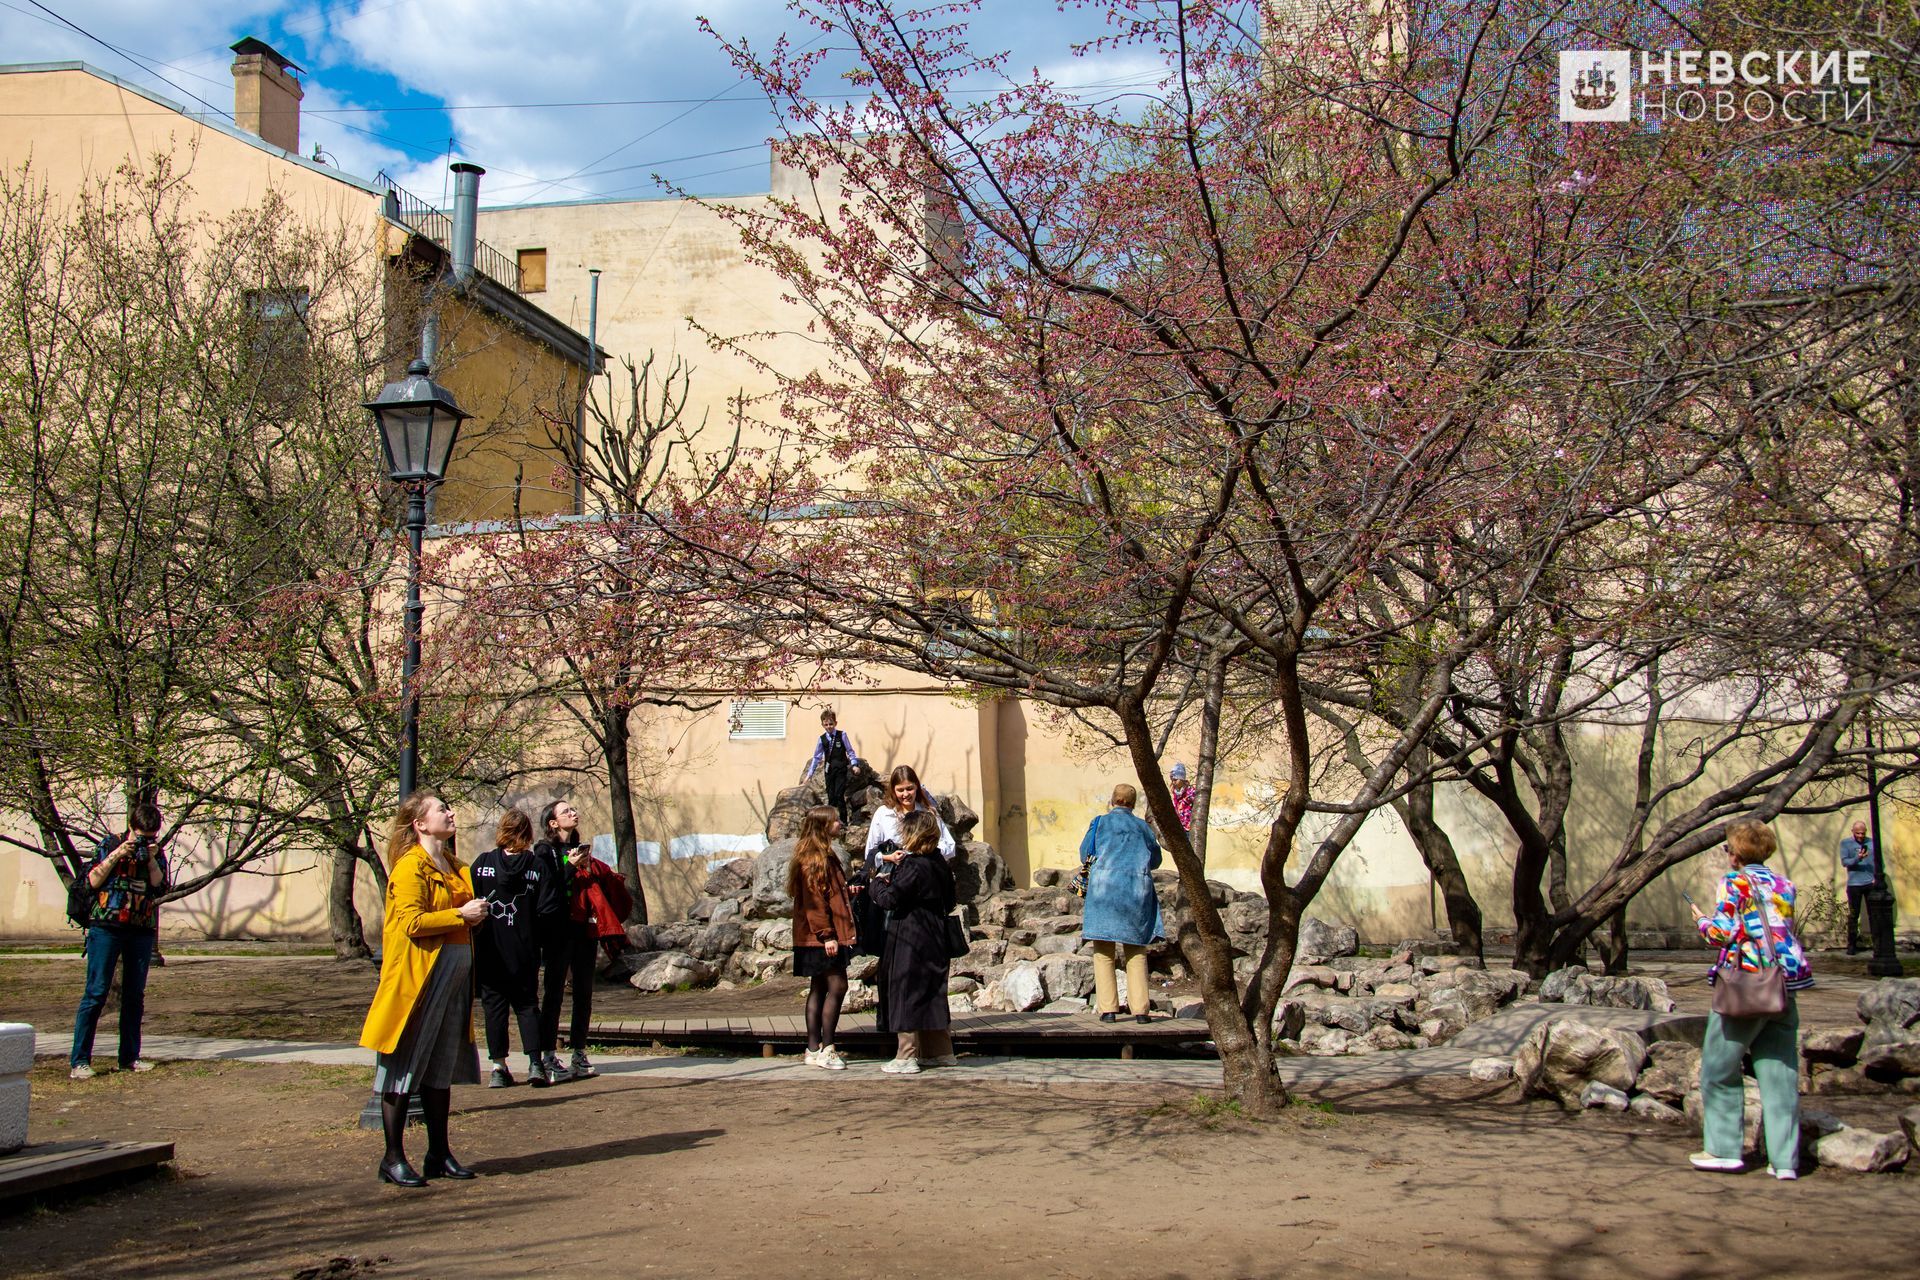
x: 1792, y: 86
x: 1594, y: 85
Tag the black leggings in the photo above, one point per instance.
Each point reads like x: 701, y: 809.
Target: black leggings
x: 823, y: 1007
x: 572, y: 953
x: 496, y: 1001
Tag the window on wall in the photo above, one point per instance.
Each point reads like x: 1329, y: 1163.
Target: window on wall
x: 750, y: 720
x: 533, y: 270
x: 277, y: 331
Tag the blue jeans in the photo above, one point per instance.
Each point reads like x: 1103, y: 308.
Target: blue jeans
x: 107, y: 947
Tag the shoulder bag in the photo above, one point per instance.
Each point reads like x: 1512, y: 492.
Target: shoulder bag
x: 1078, y: 885
x: 1739, y: 994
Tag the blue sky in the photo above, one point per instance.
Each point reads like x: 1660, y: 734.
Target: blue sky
x: 393, y: 84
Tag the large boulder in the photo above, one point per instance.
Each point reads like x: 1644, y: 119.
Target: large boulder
x: 1066, y: 975
x: 729, y: 879
x: 789, y: 807
x: 1289, y: 1019
x: 1863, y: 1151
x: 718, y: 941
x: 1890, y: 1062
x: 1672, y: 1071
x: 1889, y: 1007
x: 1561, y: 1056
x: 1320, y: 941
x: 1838, y: 1047
x: 980, y: 873
x: 673, y: 969
x: 958, y: 815
x: 1603, y: 992
x: 1348, y: 1014
x: 1022, y: 988
x: 1553, y: 987
x: 768, y: 897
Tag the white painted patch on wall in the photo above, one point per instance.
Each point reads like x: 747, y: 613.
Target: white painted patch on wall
x: 716, y: 846
x: 646, y: 851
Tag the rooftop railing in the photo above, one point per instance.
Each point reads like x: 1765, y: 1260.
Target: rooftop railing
x: 410, y: 211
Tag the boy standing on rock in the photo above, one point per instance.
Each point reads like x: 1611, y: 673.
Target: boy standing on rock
x: 835, y: 751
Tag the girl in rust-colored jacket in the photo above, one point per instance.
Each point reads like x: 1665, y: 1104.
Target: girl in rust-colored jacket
x: 823, y: 934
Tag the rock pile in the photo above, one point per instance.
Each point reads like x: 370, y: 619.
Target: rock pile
x: 1882, y: 1055
x: 1581, y: 1066
x: 741, y: 927
x: 1354, y: 1004
x: 1576, y: 985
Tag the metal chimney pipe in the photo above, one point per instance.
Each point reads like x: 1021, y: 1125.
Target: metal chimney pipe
x: 466, y: 219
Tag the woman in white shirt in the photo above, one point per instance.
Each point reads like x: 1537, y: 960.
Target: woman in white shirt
x: 904, y: 795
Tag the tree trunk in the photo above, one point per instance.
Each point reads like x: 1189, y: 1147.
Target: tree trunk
x: 343, y: 918
x: 615, y: 737
x: 1246, y: 1051
x: 1612, y: 944
x: 1436, y: 850
x: 1205, y: 765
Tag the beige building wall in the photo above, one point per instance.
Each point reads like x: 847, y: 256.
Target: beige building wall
x: 671, y: 272
x: 702, y: 796
x: 76, y: 126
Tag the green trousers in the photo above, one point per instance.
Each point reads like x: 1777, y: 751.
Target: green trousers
x: 1774, y: 1044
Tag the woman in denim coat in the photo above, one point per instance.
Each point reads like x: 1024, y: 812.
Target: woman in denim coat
x: 1123, y: 912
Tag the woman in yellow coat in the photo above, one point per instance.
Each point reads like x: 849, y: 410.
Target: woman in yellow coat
x: 421, y: 1022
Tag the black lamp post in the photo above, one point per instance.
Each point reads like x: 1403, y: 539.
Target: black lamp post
x: 418, y: 421
x: 1884, y: 963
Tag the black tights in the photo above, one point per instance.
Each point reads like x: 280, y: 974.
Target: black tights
x: 436, y: 1104
x: 823, y: 1007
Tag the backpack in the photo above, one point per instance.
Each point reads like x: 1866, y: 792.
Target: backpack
x: 80, y: 899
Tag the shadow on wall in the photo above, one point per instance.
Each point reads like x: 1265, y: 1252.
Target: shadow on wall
x: 248, y: 904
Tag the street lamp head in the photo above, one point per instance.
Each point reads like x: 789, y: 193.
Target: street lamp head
x: 418, y: 420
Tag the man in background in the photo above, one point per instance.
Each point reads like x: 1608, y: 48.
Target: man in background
x: 1856, y: 855
x: 125, y: 879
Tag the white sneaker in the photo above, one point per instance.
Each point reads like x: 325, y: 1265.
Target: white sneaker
x: 1715, y: 1164
x: 139, y: 1064
x: 1785, y: 1175
x: 811, y: 1057
x: 81, y: 1072
x: 830, y: 1059
x: 902, y: 1067
x: 944, y: 1060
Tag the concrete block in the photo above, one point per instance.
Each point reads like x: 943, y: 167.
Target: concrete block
x: 16, y: 1059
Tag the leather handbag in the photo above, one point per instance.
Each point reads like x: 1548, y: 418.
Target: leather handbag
x: 1762, y: 994
x: 958, y: 944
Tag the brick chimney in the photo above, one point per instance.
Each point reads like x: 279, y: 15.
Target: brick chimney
x: 266, y: 97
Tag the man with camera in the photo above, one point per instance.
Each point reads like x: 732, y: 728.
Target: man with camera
x: 124, y: 879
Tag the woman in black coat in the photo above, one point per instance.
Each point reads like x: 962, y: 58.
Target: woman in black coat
x: 918, y: 894
x: 520, y: 889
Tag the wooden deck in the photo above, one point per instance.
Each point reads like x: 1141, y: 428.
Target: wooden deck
x: 1010, y: 1033
x: 54, y: 1166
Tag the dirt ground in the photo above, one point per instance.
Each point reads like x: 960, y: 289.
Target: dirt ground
x: 313, y: 998
x: 317, y: 998
x: 859, y: 1174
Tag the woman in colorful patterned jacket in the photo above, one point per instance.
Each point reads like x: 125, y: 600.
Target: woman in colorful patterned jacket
x: 1756, y: 904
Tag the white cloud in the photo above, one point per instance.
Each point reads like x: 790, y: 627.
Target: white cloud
x: 484, y: 53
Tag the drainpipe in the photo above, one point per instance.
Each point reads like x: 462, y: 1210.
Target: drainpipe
x: 586, y: 389
x: 466, y: 217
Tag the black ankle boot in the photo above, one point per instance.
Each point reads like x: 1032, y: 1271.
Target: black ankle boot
x: 400, y: 1173
x: 445, y: 1166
